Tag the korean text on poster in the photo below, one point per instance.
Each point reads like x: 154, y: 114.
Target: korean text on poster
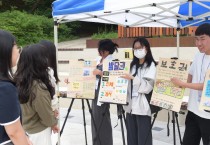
x: 113, y: 88
x: 166, y: 94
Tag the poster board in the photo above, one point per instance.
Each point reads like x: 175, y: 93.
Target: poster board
x: 205, y: 98
x: 81, y: 81
x: 166, y: 94
x: 113, y: 88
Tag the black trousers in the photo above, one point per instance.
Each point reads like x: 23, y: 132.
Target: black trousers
x: 138, y: 127
x: 105, y: 133
x: 196, y: 128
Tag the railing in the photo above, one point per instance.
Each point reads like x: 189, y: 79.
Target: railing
x: 153, y: 31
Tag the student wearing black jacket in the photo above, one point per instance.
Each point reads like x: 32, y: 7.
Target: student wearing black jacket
x: 11, y: 131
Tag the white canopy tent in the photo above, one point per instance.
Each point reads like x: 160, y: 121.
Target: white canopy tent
x: 133, y: 13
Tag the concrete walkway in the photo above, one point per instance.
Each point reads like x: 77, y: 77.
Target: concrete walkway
x: 73, y: 133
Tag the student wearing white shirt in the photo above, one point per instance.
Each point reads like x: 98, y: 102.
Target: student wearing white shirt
x: 105, y: 48
x: 197, y: 121
x: 142, y: 76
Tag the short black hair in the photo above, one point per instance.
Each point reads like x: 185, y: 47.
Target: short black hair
x: 107, y: 45
x: 203, y: 29
x: 7, y: 42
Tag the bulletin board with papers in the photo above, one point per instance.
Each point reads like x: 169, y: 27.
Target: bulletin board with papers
x: 113, y: 88
x: 81, y: 81
x: 166, y: 94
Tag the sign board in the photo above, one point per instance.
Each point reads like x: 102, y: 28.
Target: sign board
x: 81, y: 81
x: 205, y: 98
x: 166, y: 94
x: 113, y: 88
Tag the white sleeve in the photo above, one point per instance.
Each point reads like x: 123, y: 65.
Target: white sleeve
x: 192, y: 67
x: 147, y: 81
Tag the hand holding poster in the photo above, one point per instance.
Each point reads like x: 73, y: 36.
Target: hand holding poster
x: 205, y: 98
x: 81, y: 81
x: 113, y: 88
x: 165, y: 94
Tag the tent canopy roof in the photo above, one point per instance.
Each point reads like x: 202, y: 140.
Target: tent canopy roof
x: 134, y: 13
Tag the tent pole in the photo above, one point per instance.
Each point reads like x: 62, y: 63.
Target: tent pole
x: 58, y: 94
x: 178, y: 41
x: 56, y: 34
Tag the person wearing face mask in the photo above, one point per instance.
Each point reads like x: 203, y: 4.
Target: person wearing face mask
x: 105, y: 48
x: 142, y: 77
x: 11, y: 131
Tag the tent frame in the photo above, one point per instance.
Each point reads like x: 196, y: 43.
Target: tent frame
x: 151, y: 17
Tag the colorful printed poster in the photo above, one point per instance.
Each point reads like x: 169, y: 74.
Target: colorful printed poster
x: 166, y: 94
x: 81, y: 81
x: 113, y: 88
x: 205, y: 98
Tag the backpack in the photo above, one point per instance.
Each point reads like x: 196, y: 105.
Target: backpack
x: 153, y: 108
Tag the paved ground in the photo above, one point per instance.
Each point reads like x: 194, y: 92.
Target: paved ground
x: 74, y: 130
x: 73, y: 133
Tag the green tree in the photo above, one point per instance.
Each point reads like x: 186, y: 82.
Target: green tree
x: 42, y: 7
x: 30, y: 28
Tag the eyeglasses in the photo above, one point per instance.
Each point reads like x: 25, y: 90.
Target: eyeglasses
x: 137, y: 48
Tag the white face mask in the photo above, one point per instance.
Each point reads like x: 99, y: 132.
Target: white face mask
x: 140, y: 53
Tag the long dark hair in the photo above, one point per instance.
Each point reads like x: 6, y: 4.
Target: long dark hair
x: 7, y: 42
x: 32, y: 66
x: 107, y: 45
x: 148, y: 58
x: 50, y: 51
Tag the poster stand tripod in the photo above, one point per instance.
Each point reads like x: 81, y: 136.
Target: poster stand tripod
x: 175, y: 123
x: 121, y: 116
x: 84, y: 121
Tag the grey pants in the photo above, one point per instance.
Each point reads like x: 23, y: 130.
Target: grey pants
x: 138, y: 128
x: 105, y: 133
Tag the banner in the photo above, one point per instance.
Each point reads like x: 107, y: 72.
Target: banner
x: 81, y: 81
x: 113, y: 88
x: 205, y: 98
x: 165, y: 94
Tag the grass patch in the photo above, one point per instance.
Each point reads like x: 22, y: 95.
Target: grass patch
x: 105, y: 35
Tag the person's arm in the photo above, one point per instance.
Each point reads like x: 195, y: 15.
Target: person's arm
x: 10, y: 114
x: 127, y: 76
x: 97, y: 72
x: 16, y: 133
x: 189, y: 78
x: 188, y: 84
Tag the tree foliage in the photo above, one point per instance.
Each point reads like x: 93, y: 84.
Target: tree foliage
x: 41, y: 7
x: 30, y: 28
